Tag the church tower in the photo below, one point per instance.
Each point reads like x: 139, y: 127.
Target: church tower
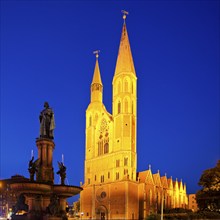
x: 125, y: 109
x: 110, y: 189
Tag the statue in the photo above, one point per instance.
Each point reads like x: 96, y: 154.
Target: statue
x: 62, y: 172
x: 54, y: 207
x: 33, y: 168
x: 20, y: 205
x: 47, y: 122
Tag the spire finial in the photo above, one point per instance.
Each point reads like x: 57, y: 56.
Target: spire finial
x: 149, y: 167
x: 125, y: 13
x: 96, y: 52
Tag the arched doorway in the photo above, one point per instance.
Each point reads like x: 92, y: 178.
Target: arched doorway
x: 101, y: 213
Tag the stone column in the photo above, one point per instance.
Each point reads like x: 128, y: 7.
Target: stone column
x: 45, y: 154
x: 62, y: 204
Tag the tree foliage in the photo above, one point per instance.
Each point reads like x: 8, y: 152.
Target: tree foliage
x: 208, y: 198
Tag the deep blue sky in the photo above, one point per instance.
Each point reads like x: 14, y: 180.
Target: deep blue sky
x: 46, y: 55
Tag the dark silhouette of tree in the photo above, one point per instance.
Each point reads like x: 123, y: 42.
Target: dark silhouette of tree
x: 208, y: 198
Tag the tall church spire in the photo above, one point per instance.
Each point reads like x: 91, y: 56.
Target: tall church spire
x: 96, y: 75
x: 96, y: 86
x: 124, y: 61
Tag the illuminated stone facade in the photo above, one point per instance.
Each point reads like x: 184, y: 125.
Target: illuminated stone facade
x: 113, y: 189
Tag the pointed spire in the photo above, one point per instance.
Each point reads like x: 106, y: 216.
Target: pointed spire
x: 124, y: 61
x: 96, y: 86
x: 96, y: 75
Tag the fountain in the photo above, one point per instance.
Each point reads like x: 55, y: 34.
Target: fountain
x: 41, y: 199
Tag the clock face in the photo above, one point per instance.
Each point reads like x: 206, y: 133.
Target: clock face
x: 103, y: 125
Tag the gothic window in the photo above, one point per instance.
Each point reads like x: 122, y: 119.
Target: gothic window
x: 88, y: 180
x: 119, y: 107
x: 117, y: 175
x: 103, y: 143
x: 95, y: 178
x: 117, y: 163
x: 132, y: 88
x: 100, y: 148
x: 125, y: 171
x: 125, y: 161
x: 109, y: 175
x: 106, y: 148
x: 102, y: 179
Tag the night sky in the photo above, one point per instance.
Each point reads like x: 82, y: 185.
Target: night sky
x: 47, y: 55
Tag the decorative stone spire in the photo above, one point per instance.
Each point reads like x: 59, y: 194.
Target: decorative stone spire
x: 124, y: 61
x: 96, y: 75
x: 96, y: 86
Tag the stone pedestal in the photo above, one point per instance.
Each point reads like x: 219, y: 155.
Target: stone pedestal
x: 45, y: 155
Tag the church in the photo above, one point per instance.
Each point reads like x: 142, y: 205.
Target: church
x: 113, y: 189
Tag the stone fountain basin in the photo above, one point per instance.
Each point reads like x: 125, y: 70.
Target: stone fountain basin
x: 42, y: 188
x: 36, y: 188
x: 66, y: 190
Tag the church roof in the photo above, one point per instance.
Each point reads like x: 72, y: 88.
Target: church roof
x: 146, y: 177
x: 156, y: 178
x: 97, y: 76
x: 170, y: 183
x: 164, y: 181
x: 124, y: 61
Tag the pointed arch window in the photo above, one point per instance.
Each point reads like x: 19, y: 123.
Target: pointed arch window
x: 117, y: 175
x: 103, y: 143
x: 125, y: 161
x: 119, y: 107
x: 106, y: 148
x: 100, y: 148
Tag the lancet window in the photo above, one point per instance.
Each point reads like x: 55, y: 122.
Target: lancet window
x: 125, y: 161
x: 103, y: 143
x: 117, y: 175
x: 119, y: 107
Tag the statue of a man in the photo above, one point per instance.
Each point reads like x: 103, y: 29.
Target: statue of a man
x: 47, y: 122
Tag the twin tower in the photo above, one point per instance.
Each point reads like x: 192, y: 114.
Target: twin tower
x: 111, y: 138
x: 110, y: 154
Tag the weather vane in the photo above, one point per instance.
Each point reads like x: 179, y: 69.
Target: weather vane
x: 125, y: 13
x: 96, y: 52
